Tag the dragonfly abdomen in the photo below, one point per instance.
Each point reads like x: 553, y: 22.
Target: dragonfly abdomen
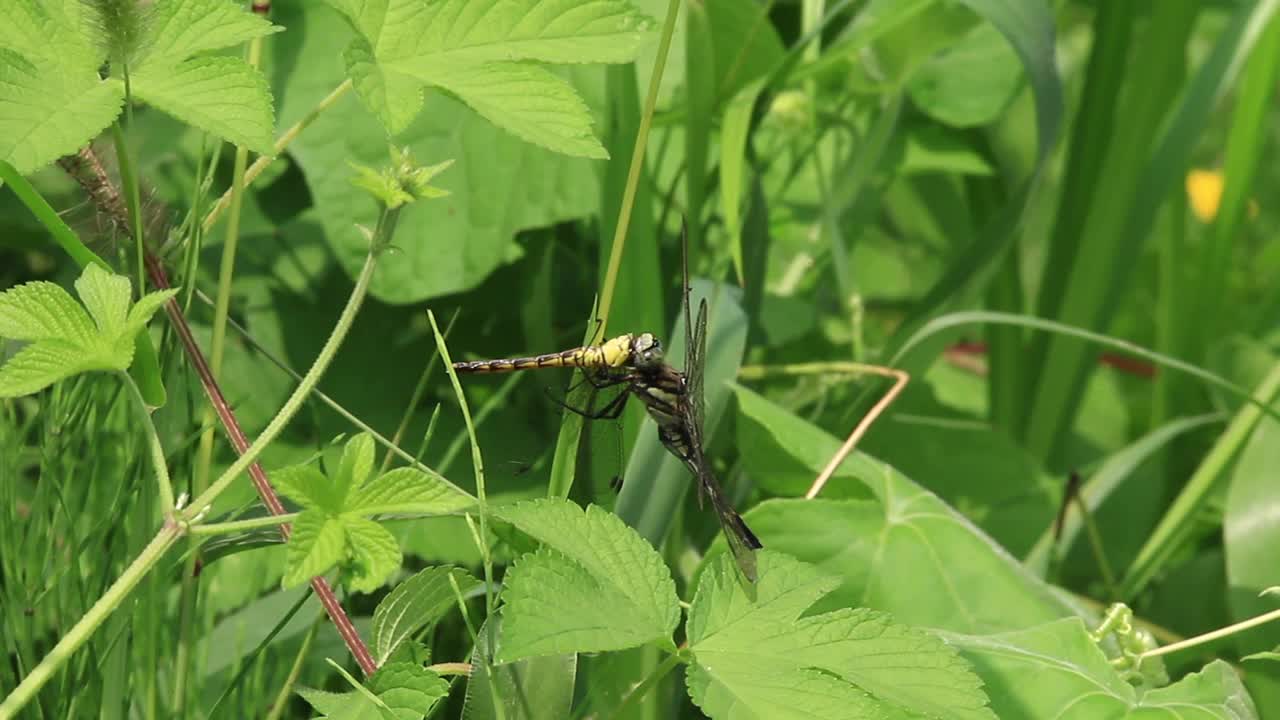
x: 612, y: 354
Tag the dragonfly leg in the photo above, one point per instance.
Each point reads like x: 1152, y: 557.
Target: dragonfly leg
x: 609, y: 412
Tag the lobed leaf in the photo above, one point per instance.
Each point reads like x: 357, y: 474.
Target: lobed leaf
x: 42, y: 363
x: 742, y: 646
x: 618, y: 580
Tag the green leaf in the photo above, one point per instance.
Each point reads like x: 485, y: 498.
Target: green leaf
x: 51, y: 110
x: 44, y: 311
x: 622, y: 592
x: 970, y: 83
x: 65, y: 340
x: 415, y: 603
x: 147, y: 306
x: 473, y: 49
x: 409, y: 690
x: 1056, y: 670
x: 317, y: 544
x: 305, y: 485
x: 178, y: 29
x: 500, y: 185
x: 761, y: 656
x: 222, y: 95
x: 531, y: 103
x: 395, y: 98
x: 375, y: 553
x: 106, y: 296
x: 355, y: 467
x: 43, y: 363
x: 410, y: 491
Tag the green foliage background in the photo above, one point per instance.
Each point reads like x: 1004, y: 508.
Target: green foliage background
x: 906, y: 183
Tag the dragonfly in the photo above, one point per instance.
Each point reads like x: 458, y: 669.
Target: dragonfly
x: 672, y: 398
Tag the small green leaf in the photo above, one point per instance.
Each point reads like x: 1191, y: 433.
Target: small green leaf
x: 415, y: 603
x: 355, y: 467
x: 409, y: 491
x: 743, y: 646
x: 317, y: 544
x: 408, y: 690
x: 624, y: 592
x: 147, y: 306
x: 66, y: 340
x: 374, y: 553
x: 106, y: 296
x: 305, y: 485
x: 222, y: 95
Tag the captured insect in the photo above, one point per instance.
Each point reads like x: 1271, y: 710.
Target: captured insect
x: 673, y: 399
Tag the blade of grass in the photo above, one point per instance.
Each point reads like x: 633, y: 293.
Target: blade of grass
x: 1177, y: 526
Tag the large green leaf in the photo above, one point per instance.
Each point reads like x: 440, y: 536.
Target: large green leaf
x: 1056, y: 670
x: 498, y: 186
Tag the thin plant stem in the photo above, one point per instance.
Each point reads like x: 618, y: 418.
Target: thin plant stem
x: 300, y: 659
x: 1209, y: 637
x: 482, y: 538
x: 901, y: 377
x: 88, y: 171
x: 84, y: 628
x: 282, y: 142
x: 226, y: 528
x: 308, y: 383
x: 659, y: 671
x: 633, y: 173
x: 416, y: 396
x: 389, y: 443
x: 158, y: 465
x: 346, y: 629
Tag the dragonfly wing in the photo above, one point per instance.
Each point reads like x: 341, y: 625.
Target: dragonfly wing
x: 742, y: 542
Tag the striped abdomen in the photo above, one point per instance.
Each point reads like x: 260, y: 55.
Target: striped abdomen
x: 614, y: 353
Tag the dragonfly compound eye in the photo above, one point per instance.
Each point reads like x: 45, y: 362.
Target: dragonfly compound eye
x: 647, y: 350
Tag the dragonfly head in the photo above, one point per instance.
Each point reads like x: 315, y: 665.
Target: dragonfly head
x: 646, y: 351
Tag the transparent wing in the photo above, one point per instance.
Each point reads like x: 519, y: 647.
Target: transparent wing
x: 695, y: 347
x: 742, y: 542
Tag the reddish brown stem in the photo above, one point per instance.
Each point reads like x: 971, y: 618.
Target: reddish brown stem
x: 91, y: 175
x: 240, y: 442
